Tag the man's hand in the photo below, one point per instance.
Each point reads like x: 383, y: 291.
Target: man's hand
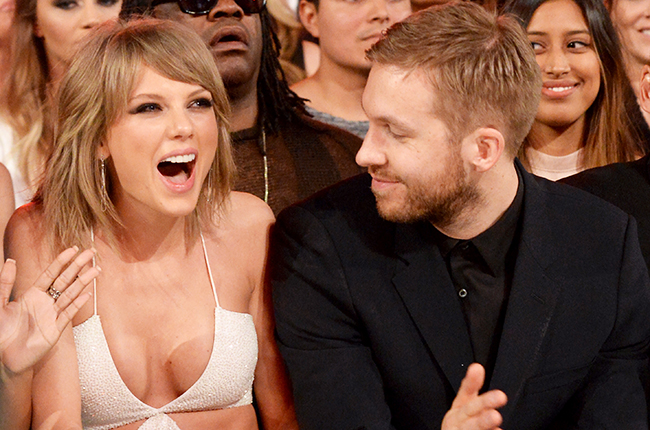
x: 471, y: 411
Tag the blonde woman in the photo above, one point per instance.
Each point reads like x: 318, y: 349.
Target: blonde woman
x: 47, y: 33
x: 179, y: 333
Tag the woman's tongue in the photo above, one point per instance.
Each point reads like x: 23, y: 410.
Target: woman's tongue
x: 177, y: 173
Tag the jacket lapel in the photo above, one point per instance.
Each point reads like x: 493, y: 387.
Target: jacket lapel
x: 422, y: 280
x: 532, y: 299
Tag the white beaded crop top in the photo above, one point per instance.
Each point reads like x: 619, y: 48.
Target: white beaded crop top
x: 226, y: 381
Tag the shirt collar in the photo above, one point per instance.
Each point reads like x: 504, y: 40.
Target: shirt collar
x: 494, y: 243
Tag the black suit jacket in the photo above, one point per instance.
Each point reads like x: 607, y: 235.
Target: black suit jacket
x: 374, y: 336
x: 626, y: 185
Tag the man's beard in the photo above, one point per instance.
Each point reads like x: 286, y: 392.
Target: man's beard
x: 439, y: 201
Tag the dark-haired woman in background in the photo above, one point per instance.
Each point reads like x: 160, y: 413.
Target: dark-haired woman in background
x: 588, y: 115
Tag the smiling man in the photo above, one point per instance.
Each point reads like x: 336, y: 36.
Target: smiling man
x: 449, y: 287
x: 282, y: 155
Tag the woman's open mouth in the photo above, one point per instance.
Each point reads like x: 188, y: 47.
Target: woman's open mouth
x: 177, y: 169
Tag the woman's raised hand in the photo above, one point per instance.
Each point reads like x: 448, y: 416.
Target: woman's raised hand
x: 32, y: 324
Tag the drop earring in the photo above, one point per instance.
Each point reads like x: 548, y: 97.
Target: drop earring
x: 103, y: 198
x: 209, y: 188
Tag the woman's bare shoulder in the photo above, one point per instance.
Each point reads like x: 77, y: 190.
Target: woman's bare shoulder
x: 244, y: 225
x: 6, y: 187
x: 248, y: 212
x: 24, y: 242
x: 25, y: 225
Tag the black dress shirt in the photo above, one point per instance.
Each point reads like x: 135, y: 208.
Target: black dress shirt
x: 481, y: 270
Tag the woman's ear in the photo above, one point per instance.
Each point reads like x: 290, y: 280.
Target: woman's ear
x: 644, y: 89
x: 309, y: 17
x: 102, y: 151
x: 37, y: 30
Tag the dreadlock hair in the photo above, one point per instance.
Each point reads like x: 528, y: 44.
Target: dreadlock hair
x: 277, y: 103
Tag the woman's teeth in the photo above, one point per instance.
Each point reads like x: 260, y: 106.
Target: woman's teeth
x: 179, y: 159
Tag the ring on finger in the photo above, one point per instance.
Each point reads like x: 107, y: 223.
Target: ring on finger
x: 53, y: 292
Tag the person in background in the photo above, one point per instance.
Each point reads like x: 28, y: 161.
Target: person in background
x: 345, y: 30
x: 6, y: 134
x: 289, y: 31
x: 626, y: 185
x: 7, y: 8
x: 281, y: 154
x: 631, y: 19
x: 47, y: 34
x: 449, y: 288
x: 7, y: 203
x: 180, y: 331
x: 587, y: 112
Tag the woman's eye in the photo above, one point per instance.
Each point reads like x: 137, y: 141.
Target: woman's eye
x: 576, y: 44
x: 65, y: 4
x: 203, y: 102
x: 107, y: 3
x: 536, y: 46
x: 146, y: 107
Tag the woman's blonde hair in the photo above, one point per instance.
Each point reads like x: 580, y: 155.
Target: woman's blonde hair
x: 93, y: 94
x: 25, y: 97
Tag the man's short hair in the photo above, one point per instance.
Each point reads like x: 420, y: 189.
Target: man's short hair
x: 481, y: 66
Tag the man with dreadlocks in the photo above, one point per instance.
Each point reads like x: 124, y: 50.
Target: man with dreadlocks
x: 282, y: 155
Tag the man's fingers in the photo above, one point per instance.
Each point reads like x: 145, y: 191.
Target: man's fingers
x: 486, y: 420
x: 491, y: 400
x: 470, y: 385
x: 7, y: 278
x: 52, y: 271
x: 479, y: 413
x: 473, y: 411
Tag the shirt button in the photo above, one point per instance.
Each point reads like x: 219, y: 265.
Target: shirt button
x: 462, y: 293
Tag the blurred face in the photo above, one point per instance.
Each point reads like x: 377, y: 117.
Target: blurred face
x: 62, y: 24
x: 568, y: 60
x: 161, y: 147
x: 632, y: 21
x: 347, y: 28
x: 417, y: 170
x: 234, y: 38
x: 6, y: 19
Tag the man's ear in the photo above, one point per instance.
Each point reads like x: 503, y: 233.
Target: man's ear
x: 644, y: 89
x: 309, y: 17
x: 483, y: 148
